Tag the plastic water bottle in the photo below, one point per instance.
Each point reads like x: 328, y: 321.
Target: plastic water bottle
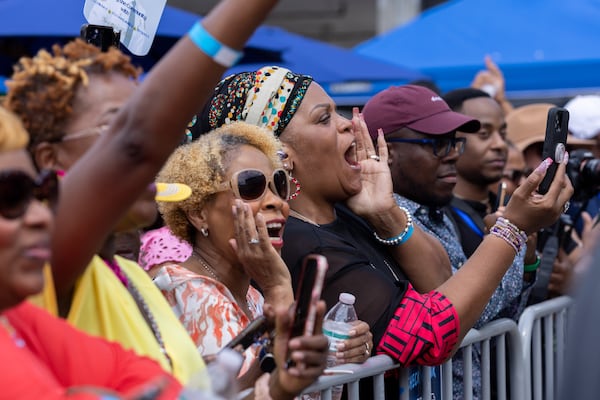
x: 336, y: 326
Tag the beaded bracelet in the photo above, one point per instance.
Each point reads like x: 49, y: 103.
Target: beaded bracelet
x: 220, y: 53
x: 532, y: 267
x: 508, y: 231
x: 403, y: 236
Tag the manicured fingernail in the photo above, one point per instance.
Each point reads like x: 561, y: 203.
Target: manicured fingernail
x: 566, y: 158
x: 541, y: 169
x: 379, y: 132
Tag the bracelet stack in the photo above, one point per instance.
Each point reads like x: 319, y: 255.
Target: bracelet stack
x: 508, y: 231
x: 220, y: 53
x: 403, y: 236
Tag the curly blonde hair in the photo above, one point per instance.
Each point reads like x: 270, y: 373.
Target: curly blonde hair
x: 42, y: 89
x: 203, y: 165
x: 13, y: 135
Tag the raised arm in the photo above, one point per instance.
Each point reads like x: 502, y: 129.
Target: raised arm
x: 121, y: 164
x: 472, y: 285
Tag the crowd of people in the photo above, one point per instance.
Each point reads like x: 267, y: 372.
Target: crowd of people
x: 108, y: 290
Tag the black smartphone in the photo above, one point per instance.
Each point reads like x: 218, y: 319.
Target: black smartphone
x: 501, y: 195
x: 250, y: 334
x: 555, y: 143
x: 308, y: 293
x: 100, y: 35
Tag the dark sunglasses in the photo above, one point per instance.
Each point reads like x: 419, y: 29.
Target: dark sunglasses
x: 18, y: 189
x: 251, y: 184
x: 441, y: 146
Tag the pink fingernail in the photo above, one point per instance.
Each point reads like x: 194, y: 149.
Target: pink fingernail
x: 541, y: 169
x: 566, y: 158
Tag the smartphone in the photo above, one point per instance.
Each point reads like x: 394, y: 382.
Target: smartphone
x: 555, y: 142
x: 100, y: 36
x: 250, y: 333
x: 501, y: 195
x: 308, y: 293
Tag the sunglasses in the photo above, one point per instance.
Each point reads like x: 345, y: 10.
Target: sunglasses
x: 18, y: 189
x: 88, y: 132
x: 251, y: 184
x: 441, y: 146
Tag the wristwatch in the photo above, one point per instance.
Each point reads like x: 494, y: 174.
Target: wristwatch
x: 266, y: 360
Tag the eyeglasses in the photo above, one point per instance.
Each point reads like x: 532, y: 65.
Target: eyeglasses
x: 251, y: 184
x: 95, y: 130
x: 18, y: 189
x: 441, y: 146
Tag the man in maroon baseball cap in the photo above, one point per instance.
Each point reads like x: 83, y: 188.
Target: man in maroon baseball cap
x: 420, y: 130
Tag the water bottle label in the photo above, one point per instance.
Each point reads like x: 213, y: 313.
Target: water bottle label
x: 335, y: 335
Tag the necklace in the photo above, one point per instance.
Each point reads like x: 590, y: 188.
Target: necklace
x: 12, y: 332
x: 301, y: 217
x: 213, y: 274
x: 205, y: 265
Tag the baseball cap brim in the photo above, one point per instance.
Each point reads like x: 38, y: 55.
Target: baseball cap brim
x: 444, y: 122
x: 172, y: 191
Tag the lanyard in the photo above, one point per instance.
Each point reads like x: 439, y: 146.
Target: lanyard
x: 469, y: 221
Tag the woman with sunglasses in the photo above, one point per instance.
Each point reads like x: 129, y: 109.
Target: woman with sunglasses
x: 234, y: 223
x: 87, y: 115
x: 344, y: 209
x: 42, y: 356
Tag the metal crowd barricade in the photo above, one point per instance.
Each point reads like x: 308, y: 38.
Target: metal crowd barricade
x: 493, y: 338
x: 543, y: 334
x: 375, y: 367
x: 499, y: 338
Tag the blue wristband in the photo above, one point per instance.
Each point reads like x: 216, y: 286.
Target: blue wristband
x: 403, y: 236
x: 220, y: 53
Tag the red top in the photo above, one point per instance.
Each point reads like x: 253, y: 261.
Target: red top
x: 44, y: 357
x: 424, y: 329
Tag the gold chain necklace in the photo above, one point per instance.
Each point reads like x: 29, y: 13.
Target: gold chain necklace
x: 301, y: 217
x: 213, y: 274
x: 205, y: 265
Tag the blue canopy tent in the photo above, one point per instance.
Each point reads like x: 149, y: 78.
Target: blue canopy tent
x: 545, y: 48
x: 349, y: 77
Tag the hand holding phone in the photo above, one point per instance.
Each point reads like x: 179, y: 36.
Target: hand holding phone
x: 555, y: 143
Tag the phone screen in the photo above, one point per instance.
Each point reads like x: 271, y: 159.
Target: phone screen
x: 308, y: 294
x: 555, y: 143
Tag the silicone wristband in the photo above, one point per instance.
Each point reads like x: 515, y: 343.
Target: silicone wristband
x: 532, y: 267
x: 220, y: 53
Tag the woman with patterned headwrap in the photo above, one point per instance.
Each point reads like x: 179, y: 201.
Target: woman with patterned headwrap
x: 343, y: 208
